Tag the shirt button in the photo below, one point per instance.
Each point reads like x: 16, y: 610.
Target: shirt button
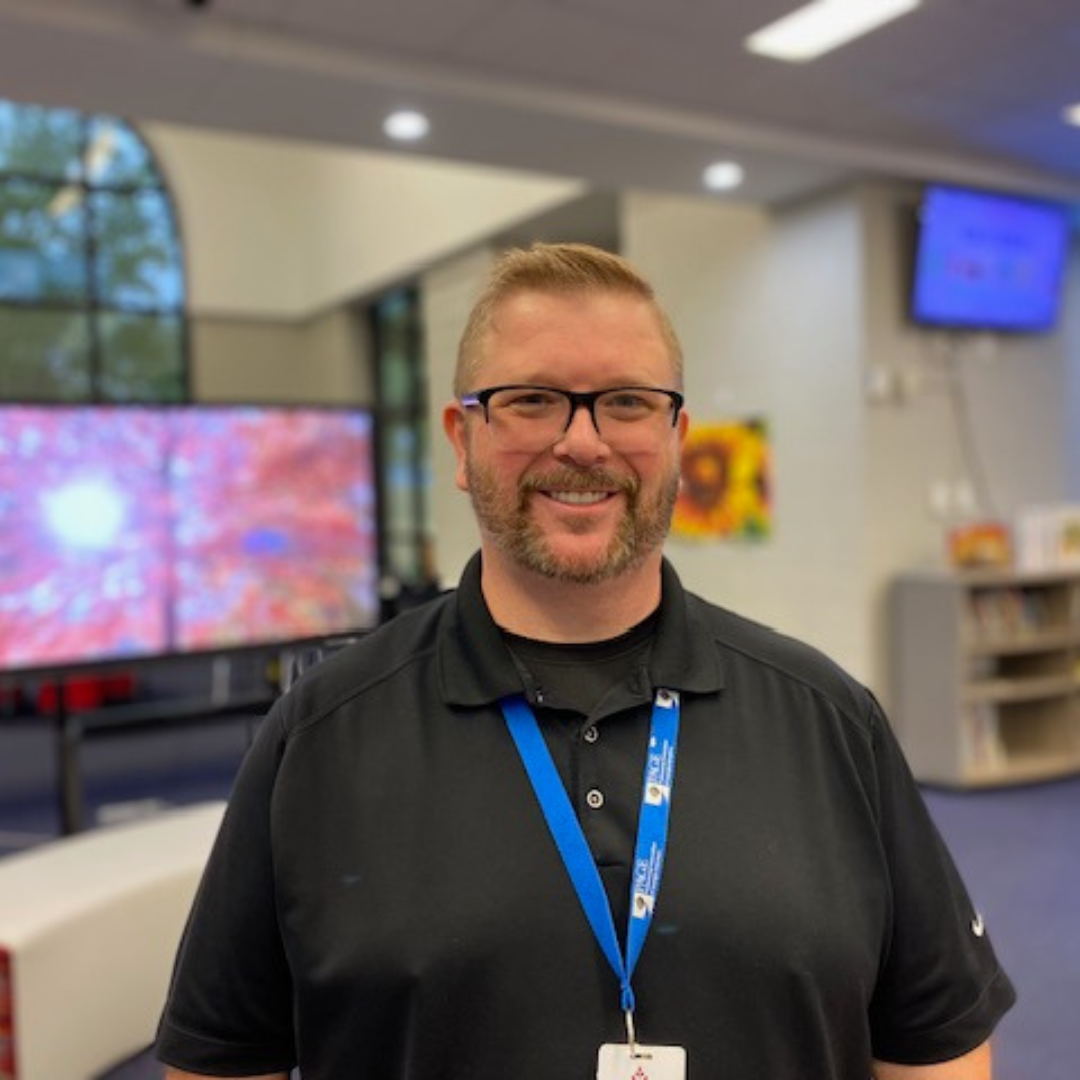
x: 595, y: 799
x: 591, y: 734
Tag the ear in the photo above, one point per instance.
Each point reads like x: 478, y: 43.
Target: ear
x: 454, y: 425
x: 683, y: 425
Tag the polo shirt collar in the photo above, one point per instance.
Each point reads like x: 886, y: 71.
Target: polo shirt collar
x: 475, y: 666
x: 685, y: 655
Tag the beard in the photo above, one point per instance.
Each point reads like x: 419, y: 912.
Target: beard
x: 507, y: 519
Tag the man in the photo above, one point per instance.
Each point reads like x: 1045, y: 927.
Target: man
x: 569, y: 820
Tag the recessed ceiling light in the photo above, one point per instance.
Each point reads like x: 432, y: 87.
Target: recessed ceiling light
x: 1072, y: 114
x: 406, y: 125
x: 723, y: 176
x: 823, y: 25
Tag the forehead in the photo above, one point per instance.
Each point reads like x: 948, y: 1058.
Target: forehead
x: 541, y: 336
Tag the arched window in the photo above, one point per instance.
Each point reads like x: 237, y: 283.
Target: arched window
x: 92, y: 285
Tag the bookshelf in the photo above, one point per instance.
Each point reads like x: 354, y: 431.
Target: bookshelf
x: 985, y: 675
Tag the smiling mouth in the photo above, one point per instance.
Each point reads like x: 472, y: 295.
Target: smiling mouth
x: 579, y: 498
x: 583, y: 489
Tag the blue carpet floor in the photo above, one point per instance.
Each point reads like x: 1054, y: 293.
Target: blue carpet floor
x: 1019, y: 851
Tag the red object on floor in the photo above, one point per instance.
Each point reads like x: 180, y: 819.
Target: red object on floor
x: 87, y: 692
x: 7, y: 1019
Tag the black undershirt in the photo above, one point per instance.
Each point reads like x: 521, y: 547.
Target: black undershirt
x: 577, y: 676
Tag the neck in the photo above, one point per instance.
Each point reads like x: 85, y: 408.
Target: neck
x: 533, y: 606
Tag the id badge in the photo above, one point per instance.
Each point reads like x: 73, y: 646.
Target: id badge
x: 649, y: 1063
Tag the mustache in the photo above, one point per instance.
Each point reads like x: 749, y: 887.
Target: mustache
x: 579, y: 480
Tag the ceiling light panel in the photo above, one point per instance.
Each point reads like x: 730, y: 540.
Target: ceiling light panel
x: 819, y: 27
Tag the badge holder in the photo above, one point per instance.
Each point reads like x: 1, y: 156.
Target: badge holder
x: 632, y: 1061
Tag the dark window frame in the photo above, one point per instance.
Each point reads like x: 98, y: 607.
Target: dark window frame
x: 396, y: 323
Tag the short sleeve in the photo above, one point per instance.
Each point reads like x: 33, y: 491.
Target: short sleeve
x: 229, y: 1007
x: 941, y: 990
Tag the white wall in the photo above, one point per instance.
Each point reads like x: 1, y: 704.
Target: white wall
x: 326, y: 359
x: 282, y: 230
x: 768, y: 307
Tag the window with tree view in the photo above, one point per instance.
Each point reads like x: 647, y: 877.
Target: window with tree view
x: 92, y: 289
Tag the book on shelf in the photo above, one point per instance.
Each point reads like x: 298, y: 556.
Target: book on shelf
x: 1006, y: 612
x: 980, y: 736
x: 1048, y: 537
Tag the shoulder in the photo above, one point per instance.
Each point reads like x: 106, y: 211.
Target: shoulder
x: 758, y: 655
x: 400, y: 652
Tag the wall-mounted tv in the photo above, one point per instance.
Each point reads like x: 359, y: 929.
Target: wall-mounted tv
x: 132, y: 531
x: 987, y: 261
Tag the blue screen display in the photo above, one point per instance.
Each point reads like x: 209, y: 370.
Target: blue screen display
x: 988, y: 261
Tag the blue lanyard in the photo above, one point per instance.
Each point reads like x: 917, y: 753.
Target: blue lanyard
x: 574, y: 848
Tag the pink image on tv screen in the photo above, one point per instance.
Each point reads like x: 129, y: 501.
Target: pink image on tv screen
x: 83, y: 519
x: 275, y: 535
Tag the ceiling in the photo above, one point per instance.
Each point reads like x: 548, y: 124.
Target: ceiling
x: 620, y: 93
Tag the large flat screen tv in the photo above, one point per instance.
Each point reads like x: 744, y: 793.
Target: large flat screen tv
x: 987, y: 261
x: 131, y: 531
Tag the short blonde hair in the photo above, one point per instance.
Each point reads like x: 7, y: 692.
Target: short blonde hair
x: 554, y: 268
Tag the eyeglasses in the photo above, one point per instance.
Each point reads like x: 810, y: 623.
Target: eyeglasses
x: 532, y: 418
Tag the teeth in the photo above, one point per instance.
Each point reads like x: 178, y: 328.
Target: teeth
x: 579, y: 498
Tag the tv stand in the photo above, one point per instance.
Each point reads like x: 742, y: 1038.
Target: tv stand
x: 74, y: 727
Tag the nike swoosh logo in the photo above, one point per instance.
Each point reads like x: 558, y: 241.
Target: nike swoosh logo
x: 978, y: 927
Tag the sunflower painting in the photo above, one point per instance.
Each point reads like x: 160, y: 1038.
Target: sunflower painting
x: 726, y: 489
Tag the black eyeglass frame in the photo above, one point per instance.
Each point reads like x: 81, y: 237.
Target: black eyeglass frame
x: 578, y: 399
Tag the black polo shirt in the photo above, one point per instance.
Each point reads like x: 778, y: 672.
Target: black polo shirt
x: 385, y: 901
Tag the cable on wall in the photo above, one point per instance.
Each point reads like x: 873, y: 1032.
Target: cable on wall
x: 959, y: 401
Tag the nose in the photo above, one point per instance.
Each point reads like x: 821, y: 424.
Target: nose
x: 581, y: 441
